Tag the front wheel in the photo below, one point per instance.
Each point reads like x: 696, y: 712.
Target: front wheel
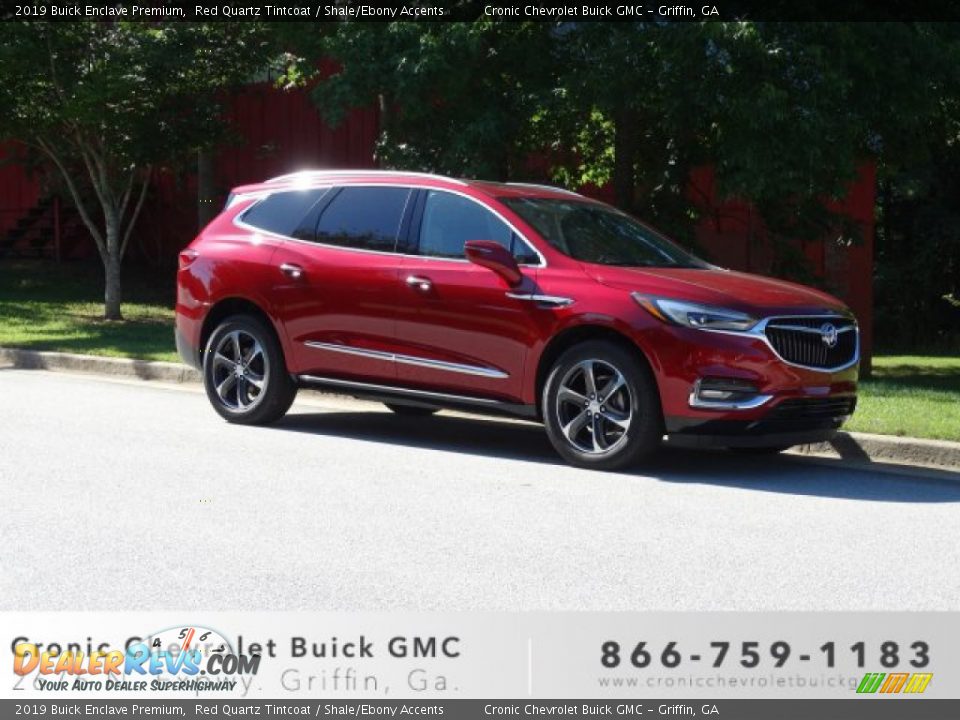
x: 244, y: 372
x: 601, y: 407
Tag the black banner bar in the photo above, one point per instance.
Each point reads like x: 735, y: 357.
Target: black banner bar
x: 468, y: 10
x: 854, y: 709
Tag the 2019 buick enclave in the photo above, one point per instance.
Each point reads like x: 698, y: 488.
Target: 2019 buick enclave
x: 428, y: 292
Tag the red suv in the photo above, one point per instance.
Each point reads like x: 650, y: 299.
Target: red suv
x: 427, y: 292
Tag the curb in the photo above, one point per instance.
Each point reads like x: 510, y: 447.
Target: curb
x: 118, y: 367
x: 846, y: 448
x: 865, y: 449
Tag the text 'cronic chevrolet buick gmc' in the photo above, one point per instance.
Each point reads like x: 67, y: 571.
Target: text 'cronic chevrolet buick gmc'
x: 427, y: 292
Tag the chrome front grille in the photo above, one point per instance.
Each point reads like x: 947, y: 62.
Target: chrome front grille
x: 820, y: 342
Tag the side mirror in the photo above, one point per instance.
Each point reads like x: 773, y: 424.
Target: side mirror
x: 496, y: 257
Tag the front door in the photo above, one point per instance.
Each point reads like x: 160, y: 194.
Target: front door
x: 457, y: 328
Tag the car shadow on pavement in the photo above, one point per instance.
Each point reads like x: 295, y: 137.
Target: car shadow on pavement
x: 789, y: 474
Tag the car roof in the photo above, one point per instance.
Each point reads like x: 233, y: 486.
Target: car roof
x: 312, y: 178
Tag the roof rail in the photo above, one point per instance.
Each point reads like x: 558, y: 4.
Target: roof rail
x: 307, y: 174
x: 539, y: 186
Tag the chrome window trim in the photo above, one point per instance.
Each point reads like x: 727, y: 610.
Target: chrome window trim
x: 513, y: 229
x: 758, y: 332
x: 263, y: 195
x: 246, y: 196
x: 460, y: 368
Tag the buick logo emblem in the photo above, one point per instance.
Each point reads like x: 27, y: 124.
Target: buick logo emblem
x: 828, y: 334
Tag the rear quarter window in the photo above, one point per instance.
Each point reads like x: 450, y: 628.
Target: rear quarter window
x: 282, y: 212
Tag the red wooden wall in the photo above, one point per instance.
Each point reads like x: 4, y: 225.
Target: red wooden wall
x: 734, y: 236
x: 277, y: 132
x: 272, y: 133
x: 19, y: 190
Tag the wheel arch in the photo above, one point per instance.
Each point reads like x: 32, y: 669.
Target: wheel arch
x: 575, y: 335
x: 235, y: 305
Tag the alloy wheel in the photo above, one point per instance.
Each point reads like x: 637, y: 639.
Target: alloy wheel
x: 240, y: 371
x: 594, y: 407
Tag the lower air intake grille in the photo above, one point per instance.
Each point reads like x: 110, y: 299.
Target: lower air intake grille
x: 814, y: 408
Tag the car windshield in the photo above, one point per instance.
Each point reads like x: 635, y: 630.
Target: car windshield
x: 596, y: 233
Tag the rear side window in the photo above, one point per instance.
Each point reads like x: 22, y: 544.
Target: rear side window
x: 282, y: 212
x: 367, y: 218
x: 450, y: 220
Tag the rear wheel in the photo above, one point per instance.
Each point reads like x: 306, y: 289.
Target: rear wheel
x: 411, y: 410
x: 244, y: 372
x: 601, y: 407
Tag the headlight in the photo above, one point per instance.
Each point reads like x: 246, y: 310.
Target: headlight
x: 695, y: 315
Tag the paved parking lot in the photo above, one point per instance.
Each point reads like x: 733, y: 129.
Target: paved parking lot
x: 133, y: 495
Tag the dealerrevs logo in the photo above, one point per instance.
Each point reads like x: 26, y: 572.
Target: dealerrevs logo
x: 189, y: 658
x: 893, y: 683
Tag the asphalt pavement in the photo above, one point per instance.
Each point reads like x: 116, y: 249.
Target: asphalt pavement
x: 129, y: 495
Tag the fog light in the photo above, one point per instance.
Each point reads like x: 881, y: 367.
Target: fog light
x: 726, y: 394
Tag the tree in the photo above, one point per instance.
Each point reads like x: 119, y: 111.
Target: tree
x: 456, y: 98
x: 785, y: 113
x: 106, y: 102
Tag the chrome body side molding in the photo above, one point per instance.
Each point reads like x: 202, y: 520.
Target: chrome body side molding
x: 411, y: 360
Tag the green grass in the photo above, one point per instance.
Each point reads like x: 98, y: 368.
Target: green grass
x: 910, y: 395
x: 49, y: 307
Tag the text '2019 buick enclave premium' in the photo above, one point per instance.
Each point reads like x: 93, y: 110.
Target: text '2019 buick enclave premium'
x: 427, y: 292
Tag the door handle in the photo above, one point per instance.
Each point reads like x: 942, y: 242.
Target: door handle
x: 420, y: 283
x: 292, y: 271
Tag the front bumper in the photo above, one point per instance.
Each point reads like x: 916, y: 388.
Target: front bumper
x: 787, y: 439
x: 794, y: 421
x: 791, y: 404
x: 189, y: 353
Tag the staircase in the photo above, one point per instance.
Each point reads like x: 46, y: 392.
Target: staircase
x: 51, y: 229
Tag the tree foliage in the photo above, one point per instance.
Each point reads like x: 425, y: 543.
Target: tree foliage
x: 785, y: 113
x: 457, y: 98
x: 106, y: 102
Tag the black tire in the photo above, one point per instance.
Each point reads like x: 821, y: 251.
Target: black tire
x: 603, y: 443
x: 242, y: 401
x: 411, y: 410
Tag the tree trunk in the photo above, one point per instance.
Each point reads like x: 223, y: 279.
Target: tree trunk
x: 111, y: 266
x: 111, y: 296
x: 206, y: 189
x: 624, y: 154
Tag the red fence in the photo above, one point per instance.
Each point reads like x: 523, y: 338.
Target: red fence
x: 272, y: 133
x: 734, y: 236
x: 19, y: 190
x: 276, y: 132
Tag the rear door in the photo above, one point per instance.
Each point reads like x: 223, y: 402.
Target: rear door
x: 337, y: 283
x: 457, y: 328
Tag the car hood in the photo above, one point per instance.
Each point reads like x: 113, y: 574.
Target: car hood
x: 754, y: 294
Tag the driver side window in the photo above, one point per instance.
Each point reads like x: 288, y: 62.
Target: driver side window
x: 450, y: 220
